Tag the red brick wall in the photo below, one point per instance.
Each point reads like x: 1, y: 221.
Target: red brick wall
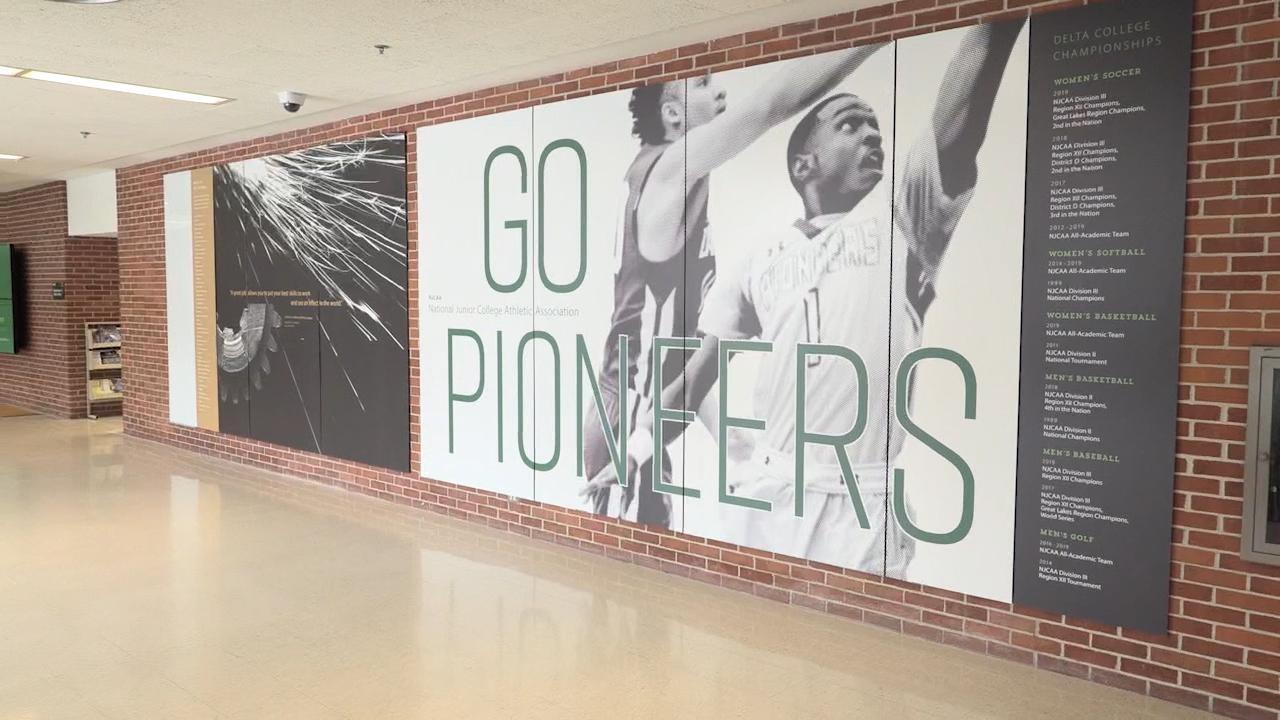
x: 1223, y: 650
x: 93, y: 295
x: 47, y: 374
x: 35, y: 221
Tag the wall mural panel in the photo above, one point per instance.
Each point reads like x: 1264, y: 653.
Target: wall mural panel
x: 785, y: 306
x: 308, y: 322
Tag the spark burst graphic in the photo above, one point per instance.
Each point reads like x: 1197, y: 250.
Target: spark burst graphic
x: 311, y: 208
x: 303, y: 206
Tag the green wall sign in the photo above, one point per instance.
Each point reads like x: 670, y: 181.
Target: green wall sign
x: 8, y: 341
x: 8, y: 328
x: 6, y: 272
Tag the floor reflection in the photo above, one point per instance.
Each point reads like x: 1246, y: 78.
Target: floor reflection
x: 141, y: 581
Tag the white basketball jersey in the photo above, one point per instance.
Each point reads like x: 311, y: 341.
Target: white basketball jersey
x: 840, y: 280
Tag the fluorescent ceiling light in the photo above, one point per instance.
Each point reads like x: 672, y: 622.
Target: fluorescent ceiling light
x: 12, y: 157
x: 122, y: 87
x: 10, y: 71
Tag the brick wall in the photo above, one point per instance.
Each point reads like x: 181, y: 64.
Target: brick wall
x: 35, y: 221
x: 92, y: 274
x: 1223, y: 649
x: 47, y: 374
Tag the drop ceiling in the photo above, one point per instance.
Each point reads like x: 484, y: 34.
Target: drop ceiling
x: 250, y: 49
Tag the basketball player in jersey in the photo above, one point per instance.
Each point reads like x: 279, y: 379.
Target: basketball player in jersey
x: 829, y: 279
x: 665, y: 260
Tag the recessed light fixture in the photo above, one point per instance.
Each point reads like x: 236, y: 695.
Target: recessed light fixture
x: 3, y: 156
x: 114, y: 86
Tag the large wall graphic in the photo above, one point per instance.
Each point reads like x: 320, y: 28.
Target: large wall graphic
x: 910, y: 309
x: 288, y: 299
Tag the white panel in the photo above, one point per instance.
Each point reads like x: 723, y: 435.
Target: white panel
x: 476, y: 443
x: 601, y: 126
x: 753, y: 210
x: 977, y: 314
x: 91, y: 205
x: 180, y: 298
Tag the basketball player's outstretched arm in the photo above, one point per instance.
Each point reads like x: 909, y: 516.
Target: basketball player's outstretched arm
x: 790, y: 90
x: 941, y: 170
x: 964, y: 104
x: 708, y: 146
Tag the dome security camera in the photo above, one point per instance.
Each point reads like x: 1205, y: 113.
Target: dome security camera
x: 291, y: 101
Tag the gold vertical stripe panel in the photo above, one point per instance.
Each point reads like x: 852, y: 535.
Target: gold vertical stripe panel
x: 206, y: 309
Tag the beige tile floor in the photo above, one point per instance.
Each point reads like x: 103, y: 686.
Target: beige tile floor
x: 137, y: 581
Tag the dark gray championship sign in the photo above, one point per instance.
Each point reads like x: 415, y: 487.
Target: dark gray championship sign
x: 1106, y: 192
